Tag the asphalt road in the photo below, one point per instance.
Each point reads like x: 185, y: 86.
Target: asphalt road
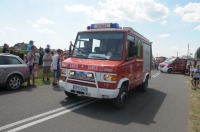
x: 163, y: 108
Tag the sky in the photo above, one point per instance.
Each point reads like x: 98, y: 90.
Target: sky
x: 172, y: 25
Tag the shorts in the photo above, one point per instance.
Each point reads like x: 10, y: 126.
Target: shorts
x: 30, y: 69
x: 56, y: 73
x: 46, y: 69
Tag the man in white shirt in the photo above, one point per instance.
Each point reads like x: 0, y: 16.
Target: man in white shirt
x: 47, y: 58
x: 56, y: 65
x: 196, y: 77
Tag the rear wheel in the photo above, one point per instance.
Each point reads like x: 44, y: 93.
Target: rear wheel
x: 14, y: 82
x: 119, y: 101
x: 70, y: 95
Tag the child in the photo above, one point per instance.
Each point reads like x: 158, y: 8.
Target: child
x: 35, y: 72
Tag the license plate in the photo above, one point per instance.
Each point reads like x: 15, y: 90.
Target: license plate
x: 80, y: 88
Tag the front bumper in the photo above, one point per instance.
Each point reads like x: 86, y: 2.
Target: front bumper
x: 163, y: 69
x: 91, y: 91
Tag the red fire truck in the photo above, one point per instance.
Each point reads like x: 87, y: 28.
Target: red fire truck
x: 176, y: 65
x: 106, y: 62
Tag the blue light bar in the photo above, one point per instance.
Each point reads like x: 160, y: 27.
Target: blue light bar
x: 104, y: 25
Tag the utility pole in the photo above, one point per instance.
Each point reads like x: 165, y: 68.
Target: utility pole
x: 177, y: 53
x: 188, y: 50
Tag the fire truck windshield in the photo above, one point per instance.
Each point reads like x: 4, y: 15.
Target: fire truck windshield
x: 99, y: 45
x: 170, y: 60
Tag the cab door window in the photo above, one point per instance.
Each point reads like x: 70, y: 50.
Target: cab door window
x: 139, y: 49
x: 129, y: 47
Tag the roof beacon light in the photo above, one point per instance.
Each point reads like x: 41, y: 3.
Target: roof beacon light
x: 104, y: 25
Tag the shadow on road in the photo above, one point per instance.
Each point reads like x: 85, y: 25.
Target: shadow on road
x: 140, y: 108
x: 3, y: 90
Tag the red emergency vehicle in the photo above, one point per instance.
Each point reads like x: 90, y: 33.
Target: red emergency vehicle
x: 106, y: 62
x: 176, y: 64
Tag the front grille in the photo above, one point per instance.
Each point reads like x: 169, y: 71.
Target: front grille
x: 82, y: 75
x: 81, y: 83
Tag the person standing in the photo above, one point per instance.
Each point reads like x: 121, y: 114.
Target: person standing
x: 47, y: 48
x: 5, y: 48
x: 31, y: 42
x: 30, y: 59
x: 188, y: 67
x: 56, y: 64
x: 196, y: 77
x: 47, y: 59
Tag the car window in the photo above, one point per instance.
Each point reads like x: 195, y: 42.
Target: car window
x: 12, y: 60
x: 1, y: 60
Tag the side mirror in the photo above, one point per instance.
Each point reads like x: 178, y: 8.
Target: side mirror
x: 70, y: 48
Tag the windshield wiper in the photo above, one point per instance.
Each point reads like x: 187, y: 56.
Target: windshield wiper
x: 98, y: 57
x: 79, y: 56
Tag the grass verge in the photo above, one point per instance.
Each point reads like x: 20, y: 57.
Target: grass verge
x: 194, y: 101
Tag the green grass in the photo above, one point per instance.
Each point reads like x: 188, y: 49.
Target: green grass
x: 194, y: 101
x: 39, y: 80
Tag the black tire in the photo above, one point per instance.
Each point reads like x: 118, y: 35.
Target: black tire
x: 14, y: 82
x: 144, y: 85
x: 169, y: 70
x: 119, y: 101
x: 70, y: 95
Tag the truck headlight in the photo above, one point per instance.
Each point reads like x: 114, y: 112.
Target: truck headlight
x: 72, y: 73
x: 108, y: 77
x: 89, y: 75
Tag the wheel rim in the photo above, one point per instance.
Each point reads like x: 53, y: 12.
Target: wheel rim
x: 14, y: 83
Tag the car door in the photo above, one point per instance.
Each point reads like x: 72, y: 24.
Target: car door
x: 3, y: 69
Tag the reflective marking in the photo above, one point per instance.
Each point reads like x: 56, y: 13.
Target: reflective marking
x: 50, y: 117
x: 155, y: 75
x: 41, y: 115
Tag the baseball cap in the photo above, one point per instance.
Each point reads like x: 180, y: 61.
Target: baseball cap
x: 48, y: 45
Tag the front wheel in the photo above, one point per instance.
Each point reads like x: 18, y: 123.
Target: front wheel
x: 169, y: 70
x: 14, y: 82
x: 144, y: 85
x: 70, y: 95
x: 119, y: 101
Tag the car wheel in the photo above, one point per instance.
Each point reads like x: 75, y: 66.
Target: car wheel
x: 169, y: 70
x: 119, y: 101
x: 70, y: 95
x: 14, y: 82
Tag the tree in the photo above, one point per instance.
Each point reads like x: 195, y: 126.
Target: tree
x: 197, y: 54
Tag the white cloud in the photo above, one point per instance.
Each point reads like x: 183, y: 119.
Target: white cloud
x: 164, y: 35
x: 36, y: 26
x: 197, y: 28
x: 10, y: 29
x: 164, y: 22
x: 1, y: 31
x: 137, y: 10
x: 45, y: 31
x: 45, y: 21
x: 189, y: 12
